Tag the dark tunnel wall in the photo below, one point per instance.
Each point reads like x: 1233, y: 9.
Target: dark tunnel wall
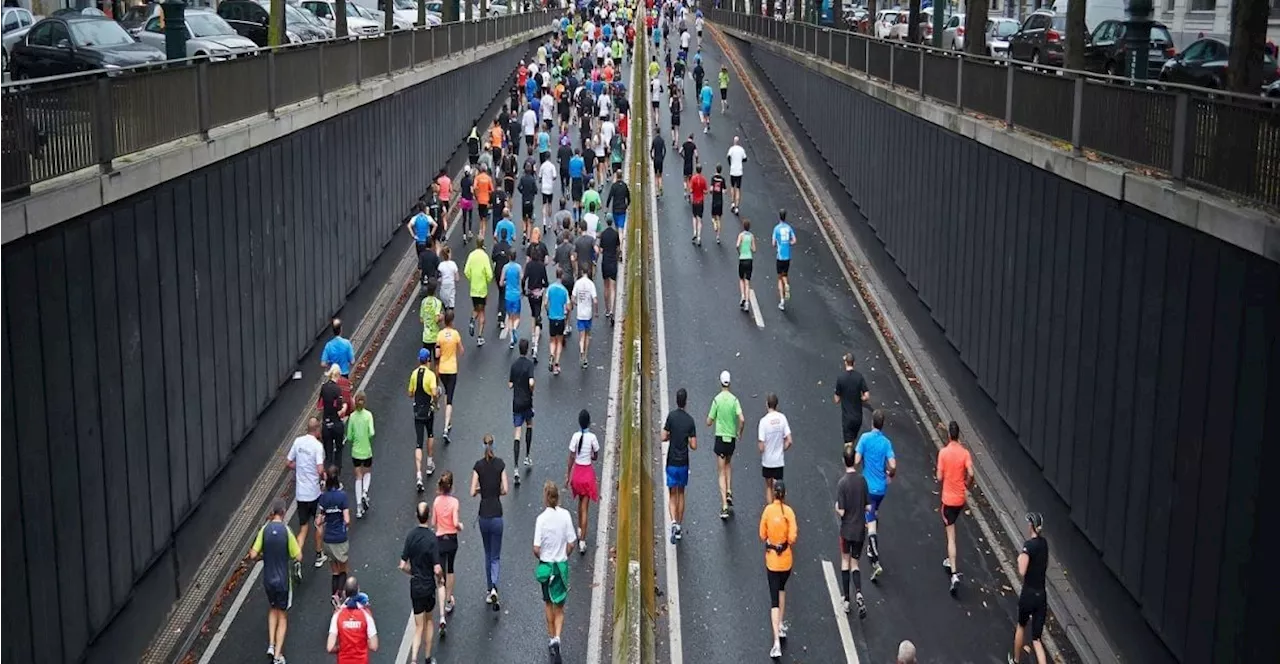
x: 142, y: 341
x: 1136, y: 359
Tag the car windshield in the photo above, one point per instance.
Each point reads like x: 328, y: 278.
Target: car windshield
x: 406, y: 4
x: 99, y: 33
x: 295, y: 15
x: 208, y: 25
x: 1006, y: 28
x: 1161, y: 34
x: 1060, y: 23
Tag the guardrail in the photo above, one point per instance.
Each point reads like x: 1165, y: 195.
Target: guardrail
x: 54, y: 126
x: 1228, y: 143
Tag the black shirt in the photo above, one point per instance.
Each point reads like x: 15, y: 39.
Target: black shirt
x: 689, y: 150
x: 421, y: 396
x: 658, y: 149
x: 1037, y: 550
x: 610, y: 242
x: 564, y: 258
x: 851, y: 496
x: 429, y: 263
x: 717, y: 189
x: 434, y: 209
x: 500, y: 256
x: 535, y: 279
x: 680, y: 427
x: 420, y: 553
x: 498, y: 201
x: 521, y: 392
x: 563, y: 106
x: 619, y: 196
x: 536, y: 251
x: 528, y: 188
x: 850, y: 387
x: 331, y: 400
x: 624, y: 106
x: 464, y: 187
x: 584, y: 247
x: 489, y: 472
x: 563, y: 155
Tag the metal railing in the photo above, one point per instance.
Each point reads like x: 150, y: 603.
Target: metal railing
x: 1226, y: 142
x: 54, y: 126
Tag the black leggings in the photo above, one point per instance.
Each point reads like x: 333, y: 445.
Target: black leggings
x: 447, y: 547
x: 777, y: 586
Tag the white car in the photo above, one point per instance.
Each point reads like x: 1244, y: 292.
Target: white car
x: 17, y: 22
x: 885, y: 19
x: 998, y: 32
x: 953, y: 33
x: 207, y: 35
x: 359, y: 24
x: 404, y: 14
x: 899, y: 28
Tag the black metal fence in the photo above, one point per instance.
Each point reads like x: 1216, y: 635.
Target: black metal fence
x: 55, y: 126
x: 1221, y: 141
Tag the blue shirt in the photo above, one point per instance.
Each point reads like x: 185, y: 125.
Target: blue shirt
x: 421, y: 227
x: 576, y: 166
x: 509, y: 227
x: 876, y: 450
x: 706, y: 96
x: 511, y: 277
x: 544, y: 142
x: 782, y: 234
x: 657, y: 35
x: 339, y: 351
x: 531, y: 87
x: 608, y: 32
x: 535, y: 104
x: 597, y: 88
x: 557, y: 300
x: 332, y: 503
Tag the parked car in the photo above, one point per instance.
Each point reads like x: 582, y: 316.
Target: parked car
x: 404, y: 13
x: 885, y: 18
x: 1204, y: 63
x: 1273, y: 91
x: 207, y: 35
x: 898, y: 29
x: 997, y: 34
x: 1105, y: 53
x: 135, y: 18
x: 953, y: 33
x: 79, y: 11
x: 358, y: 23
x: 251, y: 17
x: 76, y: 42
x: 17, y: 22
x: 1041, y: 39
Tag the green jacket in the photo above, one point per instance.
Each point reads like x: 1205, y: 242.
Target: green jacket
x: 555, y: 576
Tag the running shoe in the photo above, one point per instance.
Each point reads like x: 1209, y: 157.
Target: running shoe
x: 280, y: 660
x: 321, y: 559
x: 471, y: 327
x: 679, y: 532
x: 844, y: 604
x: 480, y: 340
x: 367, y: 503
x: 584, y: 364
x: 782, y: 306
x: 728, y: 498
x: 673, y: 534
x: 534, y: 355
x: 554, y: 650
x: 528, y: 462
x: 445, y: 435
x: 955, y: 584
x: 512, y: 345
x: 724, y: 512
x: 776, y: 650
x: 876, y: 571
x: 782, y: 630
x: 336, y: 599
x: 448, y: 608
x: 271, y: 652
x: 946, y: 564
x: 517, y: 478
x: 862, y: 607
x: 497, y: 602
x: 359, y: 511
x: 444, y: 628
x: 490, y: 596
x: 742, y: 304
x: 431, y: 466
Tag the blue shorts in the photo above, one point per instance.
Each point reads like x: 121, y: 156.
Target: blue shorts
x: 584, y: 325
x: 620, y: 220
x: 512, y: 307
x: 706, y: 109
x: 677, y: 477
x: 873, y: 513
x: 519, y: 419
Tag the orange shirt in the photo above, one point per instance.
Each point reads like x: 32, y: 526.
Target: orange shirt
x: 496, y: 136
x: 446, y: 186
x: 483, y: 187
x: 778, y: 525
x: 445, y: 509
x: 954, y: 464
x: 608, y: 74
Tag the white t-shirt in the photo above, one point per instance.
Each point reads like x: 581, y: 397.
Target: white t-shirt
x: 584, y: 294
x: 306, y: 453
x: 604, y: 103
x: 448, y: 275
x: 773, y: 432
x: 548, y: 106
x: 601, y: 50
x: 547, y: 172
x: 607, y: 130
x: 698, y: 24
x: 582, y: 453
x: 529, y: 122
x: 598, y: 146
x: 553, y: 532
x: 655, y: 90
x: 737, y: 157
x: 533, y: 69
x: 586, y: 47
x: 593, y: 222
x: 542, y: 55
x: 684, y: 40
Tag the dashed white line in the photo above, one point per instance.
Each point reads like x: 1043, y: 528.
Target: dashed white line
x: 755, y: 308
x: 842, y: 619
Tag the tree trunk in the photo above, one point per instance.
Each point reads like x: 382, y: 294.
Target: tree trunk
x: 1075, y: 34
x: 468, y: 8
x: 975, y: 27
x: 275, y: 29
x: 871, y: 17
x: 1248, y: 38
x: 422, y: 13
x: 340, y: 17
x: 913, y: 24
x: 388, y: 15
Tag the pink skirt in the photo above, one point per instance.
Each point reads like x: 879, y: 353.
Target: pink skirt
x: 466, y: 203
x: 582, y: 482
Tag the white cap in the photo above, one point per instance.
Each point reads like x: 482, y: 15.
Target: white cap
x: 724, y: 378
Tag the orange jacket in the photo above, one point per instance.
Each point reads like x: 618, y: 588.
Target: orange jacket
x: 778, y: 525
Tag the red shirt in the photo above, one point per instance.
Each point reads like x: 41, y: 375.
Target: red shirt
x: 353, y: 626
x: 697, y: 188
x: 522, y: 75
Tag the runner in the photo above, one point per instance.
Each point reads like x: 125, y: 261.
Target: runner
x: 489, y: 481
x: 467, y: 200
x: 778, y: 531
x: 577, y: 172
x: 584, y: 294
x: 449, y: 345
x: 955, y: 473
x: 875, y: 454
x: 697, y: 194
x: 737, y: 157
x: 689, y: 152
x: 435, y: 210
x: 657, y: 154
x: 610, y: 243
x: 279, y: 551
x: 421, y: 227
x: 333, y: 410
x: 705, y: 96
x: 534, y: 285
x: 444, y: 518
x: 547, y: 176
x: 783, y: 237
x: 484, y: 195
x: 580, y: 476
x: 333, y: 520
x: 717, y: 199
x: 853, y: 508
x: 479, y: 272
x: 746, y: 246
x: 557, y: 311
x: 699, y: 73
x: 553, y: 539
x: 852, y: 395
x: 676, y: 106
x: 529, y: 127
x: 423, y: 389
x: 430, y: 314
x: 421, y: 562
x: 619, y: 200
x: 510, y: 283
x: 520, y: 382
x: 1033, y: 563
x: 655, y: 89
x: 726, y: 417
x: 360, y: 433
x: 352, y: 632
x: 681, y: 435
x: 774, y: 439
x: 448, y: 275
x: 528, y: 188
x: 338, y: 350
x: 306, y: 459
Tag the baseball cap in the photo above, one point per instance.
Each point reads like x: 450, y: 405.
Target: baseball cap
x: 424, y: 355
x: 724, y: 378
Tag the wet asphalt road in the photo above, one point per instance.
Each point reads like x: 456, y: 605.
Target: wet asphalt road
x: 723, y: 592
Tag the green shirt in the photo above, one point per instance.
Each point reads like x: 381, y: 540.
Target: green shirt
x: 590, y: 196
x: 428, y: 313
x: 653, y: 69
x: 744, y: 245
x: 360, y: 433
x: 724, y: 80
x: 725, y: 411
x: 479, y: 272
x: 617, y: 49
x: 566, y: 60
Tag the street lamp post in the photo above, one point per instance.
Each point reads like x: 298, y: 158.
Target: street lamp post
x: 175, y: 30
x: 1137, y: 37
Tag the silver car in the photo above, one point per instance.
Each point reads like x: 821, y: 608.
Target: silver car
x: 953, y: 33
x: 998, y: 32
x: 17, y: 22
x: 207, y: 35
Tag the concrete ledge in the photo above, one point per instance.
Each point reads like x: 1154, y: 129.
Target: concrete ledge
x: 64, y: 198
x: 1251, y: 229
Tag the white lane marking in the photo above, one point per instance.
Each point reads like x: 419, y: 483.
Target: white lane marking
x: 604, y: 512
x: 842, y: 619
x: 402, y: 655
x: 755, y: 308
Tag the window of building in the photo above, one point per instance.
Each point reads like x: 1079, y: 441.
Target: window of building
x: 1204, y: 5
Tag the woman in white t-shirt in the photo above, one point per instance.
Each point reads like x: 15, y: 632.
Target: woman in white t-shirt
x: 448, y: 278
x: 553, y: 539
x: 580, y: 476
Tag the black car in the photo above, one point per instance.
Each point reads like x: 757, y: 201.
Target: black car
x: 1204, y: 63
x: 1042, y: 39
x: 72, y: 42
x: 250, y: 18
x: 1105, y: 53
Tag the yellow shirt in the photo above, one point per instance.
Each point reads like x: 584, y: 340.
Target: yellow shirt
x: 479, y: 272
x: 428, y: 380
x: 449, y: 341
